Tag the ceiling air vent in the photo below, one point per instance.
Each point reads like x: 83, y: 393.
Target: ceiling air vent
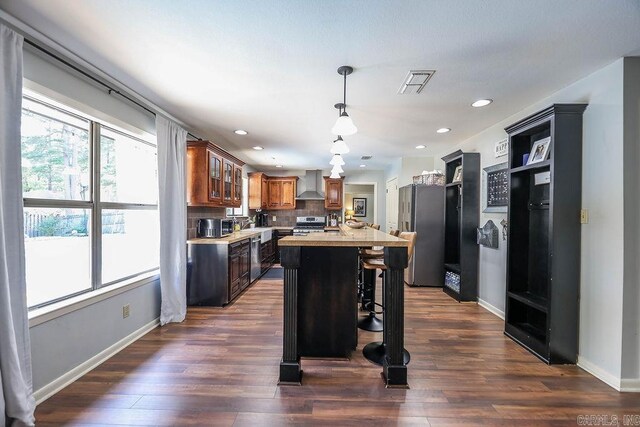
x: 415, y: 81
x: 365, y: 157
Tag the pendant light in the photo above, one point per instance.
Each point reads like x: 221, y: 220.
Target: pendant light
x: 334, y: 175
x: 337, y: 168
x: 339, y: 146
x: 344, y: 125
x: 336, y: 160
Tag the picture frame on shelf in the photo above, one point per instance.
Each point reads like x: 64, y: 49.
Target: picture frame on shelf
x: 359, y: 207
x: 539, y: 151
x: 457, y: 175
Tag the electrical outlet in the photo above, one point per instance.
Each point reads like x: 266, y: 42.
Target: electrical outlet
x: 126, y: 310
x: 584, y: 216
x: 274, y: 218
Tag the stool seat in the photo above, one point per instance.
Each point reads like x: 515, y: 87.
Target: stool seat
x: 371, y: 253
x: 373, y: 264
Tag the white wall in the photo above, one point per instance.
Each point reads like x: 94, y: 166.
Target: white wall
x: 405, y: 168
x: 61, y: 344
x: 602, y: 239
x: 631, y: 308
x: 77, y: 92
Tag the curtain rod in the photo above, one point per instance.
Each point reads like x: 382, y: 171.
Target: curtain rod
x: 110, y: 90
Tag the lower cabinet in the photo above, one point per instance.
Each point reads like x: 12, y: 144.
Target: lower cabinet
x: 267, y: 255
x: 239, y: 267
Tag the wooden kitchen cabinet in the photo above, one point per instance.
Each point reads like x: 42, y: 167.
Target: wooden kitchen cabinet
x: 282, y: 193
x: 333, y: 190
x: 258, y: 190
x: 214, y: 177
x: 239, y: 267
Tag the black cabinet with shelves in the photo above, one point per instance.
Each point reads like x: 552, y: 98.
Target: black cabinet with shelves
x: 543, y: 261
x: 462, y: 207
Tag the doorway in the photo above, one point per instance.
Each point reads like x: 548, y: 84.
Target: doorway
x: 361, y: 198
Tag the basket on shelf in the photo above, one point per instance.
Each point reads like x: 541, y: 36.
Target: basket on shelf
x: 435, y: 177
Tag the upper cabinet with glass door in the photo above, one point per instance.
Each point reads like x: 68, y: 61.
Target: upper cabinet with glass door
x: 237, y: 185
x: 210, y: 176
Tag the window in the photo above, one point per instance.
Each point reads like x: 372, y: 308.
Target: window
x: 90, y: 196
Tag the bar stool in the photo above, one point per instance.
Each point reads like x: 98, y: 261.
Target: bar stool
x: 367, y: 289
x: 375, y: 351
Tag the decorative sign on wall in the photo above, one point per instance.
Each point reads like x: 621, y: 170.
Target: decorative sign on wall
x: 496, y: 186
x: 502, y: 148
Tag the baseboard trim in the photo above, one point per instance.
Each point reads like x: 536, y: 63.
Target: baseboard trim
x: 598, y: 372
x: 61, y: 382
x: 630, y: 385
x: 491, y: 308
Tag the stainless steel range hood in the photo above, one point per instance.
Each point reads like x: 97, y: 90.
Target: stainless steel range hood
x: 311, y: 186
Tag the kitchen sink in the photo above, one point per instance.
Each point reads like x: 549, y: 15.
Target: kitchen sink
x: 265, y: 233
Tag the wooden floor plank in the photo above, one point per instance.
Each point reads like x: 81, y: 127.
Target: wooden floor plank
x: 220, y: 367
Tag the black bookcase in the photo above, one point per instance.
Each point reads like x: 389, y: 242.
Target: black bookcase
x: 462, y: 211
x: 543, y: 257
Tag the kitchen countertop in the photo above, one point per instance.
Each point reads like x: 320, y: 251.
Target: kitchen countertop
x: 233, y: 237
x: 347, y: 237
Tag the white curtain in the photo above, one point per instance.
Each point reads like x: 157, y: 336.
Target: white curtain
x: 172, y: 152
x: 16, y: 394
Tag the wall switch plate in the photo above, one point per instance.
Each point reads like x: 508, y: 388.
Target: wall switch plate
x: 126, y: 310
x: 584, y: 216
x: 274, y: 218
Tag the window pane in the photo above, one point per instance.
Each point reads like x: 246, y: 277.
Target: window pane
x: 129, y: 169
x: 58, y: 253
x: 55, y: 154
x: 130, y: 242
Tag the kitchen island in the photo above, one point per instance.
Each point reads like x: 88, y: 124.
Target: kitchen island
x: 320, y: 299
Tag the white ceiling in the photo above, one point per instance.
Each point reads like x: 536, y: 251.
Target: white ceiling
x: 270, y: 66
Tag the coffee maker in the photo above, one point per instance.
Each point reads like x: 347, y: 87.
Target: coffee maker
x: 262, y: 219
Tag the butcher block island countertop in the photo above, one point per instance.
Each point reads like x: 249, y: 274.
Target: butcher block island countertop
x: 347, y: 237
x: 321, y: 299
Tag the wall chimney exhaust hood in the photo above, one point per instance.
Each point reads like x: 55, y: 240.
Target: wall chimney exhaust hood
x: 311, y: 186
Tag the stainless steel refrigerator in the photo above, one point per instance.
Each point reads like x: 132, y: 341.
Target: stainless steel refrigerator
x: 421, y: 210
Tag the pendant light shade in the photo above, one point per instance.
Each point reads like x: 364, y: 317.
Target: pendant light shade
x: 336, y: 160
x: 337, y: 169
x: 339, y: 146
x: 334, y: 175
x: 344, y: 125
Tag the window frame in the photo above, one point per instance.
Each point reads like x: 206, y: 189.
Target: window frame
x: 94, y: 204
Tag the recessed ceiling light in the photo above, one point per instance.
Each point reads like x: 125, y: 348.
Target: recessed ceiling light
x: 278, y: 166
x: 420, y: 147
x: 443, y: 130
x: 363, y: 166
x: 240, y: 132
x: 257, y: 147
x: 482, y: 102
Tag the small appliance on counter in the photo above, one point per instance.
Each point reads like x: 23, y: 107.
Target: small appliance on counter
x: 262, y: 219
x: 308, y: 224
x: 214, y: 227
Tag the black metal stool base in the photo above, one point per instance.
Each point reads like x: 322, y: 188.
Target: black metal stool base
x: 371, y: 323
x: 375, y: 351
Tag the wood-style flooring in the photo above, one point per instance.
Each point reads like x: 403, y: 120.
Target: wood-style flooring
x: 220, y: 367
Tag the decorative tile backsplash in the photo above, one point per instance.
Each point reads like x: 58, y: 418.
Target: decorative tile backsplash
x: 195, y: 213
x: 287, y: 218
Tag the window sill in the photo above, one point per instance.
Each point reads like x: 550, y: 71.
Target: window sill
x: 53, y: 311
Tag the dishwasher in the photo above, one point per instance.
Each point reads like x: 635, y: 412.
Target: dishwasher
x: 256, y: 261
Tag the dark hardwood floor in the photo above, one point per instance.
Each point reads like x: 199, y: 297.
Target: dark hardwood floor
x: 220, y: 367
